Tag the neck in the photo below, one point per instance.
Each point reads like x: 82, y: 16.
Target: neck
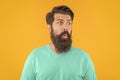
x: 53, y: 48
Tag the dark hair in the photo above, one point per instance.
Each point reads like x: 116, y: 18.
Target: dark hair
x: 58, y: 9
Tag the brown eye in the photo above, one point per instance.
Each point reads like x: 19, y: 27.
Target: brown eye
x: 59, y: 23
x: 69, y: 23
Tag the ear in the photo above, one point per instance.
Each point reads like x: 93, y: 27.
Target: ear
x: 49, y: 28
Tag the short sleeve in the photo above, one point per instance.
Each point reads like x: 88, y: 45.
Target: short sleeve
x: 28, y: 72
x: 90, y: 73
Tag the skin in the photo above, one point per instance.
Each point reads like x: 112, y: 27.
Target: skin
x: 62, y: 22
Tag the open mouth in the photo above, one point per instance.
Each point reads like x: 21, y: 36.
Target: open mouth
x: 65, y: 36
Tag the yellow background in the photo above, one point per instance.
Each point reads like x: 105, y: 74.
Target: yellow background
x: 96, y: 29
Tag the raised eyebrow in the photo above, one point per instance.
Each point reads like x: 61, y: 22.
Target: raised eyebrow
x: 59, y: 20
x: 63, y: 20
x: 69, y: 20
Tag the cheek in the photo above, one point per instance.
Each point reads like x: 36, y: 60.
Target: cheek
x: 58, y: 31
x: 69, y: 30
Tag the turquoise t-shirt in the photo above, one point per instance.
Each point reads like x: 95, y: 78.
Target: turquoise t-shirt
x: 44, y: 64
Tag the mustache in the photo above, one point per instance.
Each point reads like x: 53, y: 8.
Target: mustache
x: 65, y: 32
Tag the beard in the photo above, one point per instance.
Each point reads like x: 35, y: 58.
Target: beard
x: 61, y: 44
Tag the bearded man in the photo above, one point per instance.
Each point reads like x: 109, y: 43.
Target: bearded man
x: 59, y: 60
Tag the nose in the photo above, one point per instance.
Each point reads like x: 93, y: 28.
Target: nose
x: 65, y: 28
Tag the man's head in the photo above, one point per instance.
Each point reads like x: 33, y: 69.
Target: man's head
x: 58, y: 9
x: 59, y: 22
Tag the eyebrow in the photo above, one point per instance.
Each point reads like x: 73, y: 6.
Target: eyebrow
x: 63, y: 20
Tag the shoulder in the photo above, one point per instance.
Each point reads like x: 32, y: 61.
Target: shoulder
x: 83, y: 56
x: 38, y: 50
x: 80, y: 52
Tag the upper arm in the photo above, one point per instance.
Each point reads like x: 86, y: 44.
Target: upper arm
x: 28, y: 72
x: 90, y: 73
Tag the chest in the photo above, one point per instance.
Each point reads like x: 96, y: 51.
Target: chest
x: 58, y: 69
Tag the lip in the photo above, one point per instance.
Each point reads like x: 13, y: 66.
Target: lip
x: 65, y: 36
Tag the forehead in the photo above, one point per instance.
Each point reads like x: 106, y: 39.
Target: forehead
x: 62, y: 16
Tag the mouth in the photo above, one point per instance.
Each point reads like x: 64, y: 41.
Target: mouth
x: 64, y: 36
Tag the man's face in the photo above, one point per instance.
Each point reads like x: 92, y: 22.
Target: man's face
x: 61, y: 32
x: 62, y: 23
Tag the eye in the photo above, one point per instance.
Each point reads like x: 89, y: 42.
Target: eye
x: 69, y: 23
x: 60, y: 23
